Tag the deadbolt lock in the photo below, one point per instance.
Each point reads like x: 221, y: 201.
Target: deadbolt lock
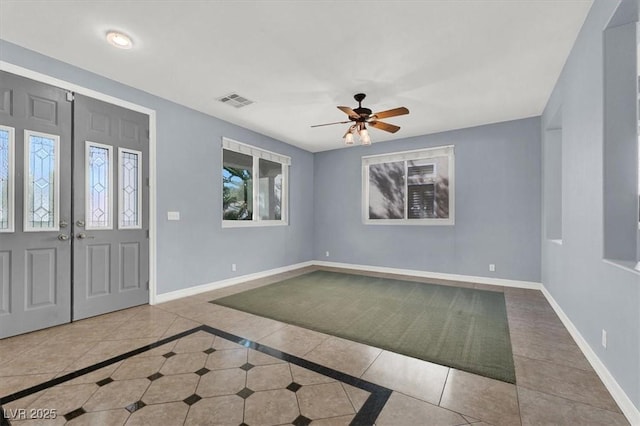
x: 80, y: 223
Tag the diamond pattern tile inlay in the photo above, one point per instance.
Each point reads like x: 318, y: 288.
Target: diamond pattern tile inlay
x: 247, y: 366
x: 202, y: 371
x: 293, y: 387
x: 155, y: 376
x: 135, y: 406
x: 245, y: 393
x: 75, y: 413
x: 209, y: 351
x: 104, y: 381
x: 301, y: 421
x: 169, y: 354
x: 192, y: 399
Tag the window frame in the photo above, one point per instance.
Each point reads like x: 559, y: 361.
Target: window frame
x: 405, y: 156
x: 257, y: 154
x: 87, y: 187
x: 119, y: 164
x: 11, y: 211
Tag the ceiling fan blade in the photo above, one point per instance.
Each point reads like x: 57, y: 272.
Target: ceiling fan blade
x: 349, y: 111
x: 331, y: 124
x: 384, y: 126
x: 391, y: 112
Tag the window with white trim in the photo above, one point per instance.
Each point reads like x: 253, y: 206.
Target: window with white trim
x: 409, y: 188
x: 7, y: 159
x: 254, y: 185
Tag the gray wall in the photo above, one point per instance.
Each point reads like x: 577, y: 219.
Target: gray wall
x: 594, y: 294
x: 497, y: 217
x: 196, y: 250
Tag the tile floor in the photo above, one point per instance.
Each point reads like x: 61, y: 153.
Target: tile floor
x: 204, y: 378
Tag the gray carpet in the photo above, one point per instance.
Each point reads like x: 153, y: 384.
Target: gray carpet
x: 458, y: 327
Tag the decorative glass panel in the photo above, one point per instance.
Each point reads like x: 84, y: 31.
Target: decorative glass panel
x: 386, y: 190
x: 42, y: 182
x: 237, y: 186
x: 130, y: 190
x: 5, y: 176
x: 270, y: 194
x: 98, y: 170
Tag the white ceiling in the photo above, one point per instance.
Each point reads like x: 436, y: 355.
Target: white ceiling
x: 454, y: 64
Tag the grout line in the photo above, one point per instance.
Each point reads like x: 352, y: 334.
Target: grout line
x: 372, y: 362
x: 573, y: 400
x: 446, y: 379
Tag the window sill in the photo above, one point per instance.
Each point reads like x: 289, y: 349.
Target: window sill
x: 627, y: 265
x: 414, y: 222
x: 252, y: 223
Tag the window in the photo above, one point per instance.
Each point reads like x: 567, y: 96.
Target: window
x: 42, y: 181
x: 409, y: 188
x: 254, y: 186
x: 129, y: 184
x: 98, y: 184
x: 6, y: 178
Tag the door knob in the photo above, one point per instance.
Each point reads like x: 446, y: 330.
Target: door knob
x: 82, y: 236
x: 63, y: 237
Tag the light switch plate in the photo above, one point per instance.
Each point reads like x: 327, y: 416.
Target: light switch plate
x: 173, y: 215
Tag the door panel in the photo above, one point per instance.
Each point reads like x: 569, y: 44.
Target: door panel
x: 111, y: 249
x: 35, y: 271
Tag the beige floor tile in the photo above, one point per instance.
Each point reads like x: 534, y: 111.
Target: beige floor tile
x: 64, y: 398
x: 102, y: 418
x: 266, y: 377
x: 302, y: 376
x: 180, y: 325
x: 343, y: 355
x: 254, y: 328
x: 259, y: 358
x: 220, y: 343
x: 401, y: 410
x: 546, y: 349
x: 324, y: 401
x: 12, y: 384
x: 118, y: 394
x: 357, y: 396
x: 196, y: 342
x: 92, y: 377
x: 486, y: 399
x: 226, y: 358
x: 542, y: 409
x: 184, y: 363
x: 334, y: 421
x: 294, y: 340
x: 137, y: 368
x: 173, y: 413
x: 222, y: 410
x: 222, y: 382
x: 274, y: 407
x: 171, y: 388
x: 566, y: 382
x: 159, y: 350
x: 419, y: 379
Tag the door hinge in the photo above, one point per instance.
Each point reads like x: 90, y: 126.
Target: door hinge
x: 147, y: 232
x: 147, y: 284
x: 148, y: 184
x: 70, y: 97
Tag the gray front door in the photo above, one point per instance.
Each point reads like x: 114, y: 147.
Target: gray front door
x: 35, y: 205
x: 110, y: 208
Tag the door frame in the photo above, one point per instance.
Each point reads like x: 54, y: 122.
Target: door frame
x: 72, y: 87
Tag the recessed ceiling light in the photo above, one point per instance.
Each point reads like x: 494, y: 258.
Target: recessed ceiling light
x: 119, y: 40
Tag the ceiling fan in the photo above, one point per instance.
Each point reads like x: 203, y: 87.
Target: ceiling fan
x: 362, y: 116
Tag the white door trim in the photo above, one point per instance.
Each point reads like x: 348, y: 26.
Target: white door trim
x: 43, y: 78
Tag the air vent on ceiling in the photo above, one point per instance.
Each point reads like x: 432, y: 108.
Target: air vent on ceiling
x: 235, y: 100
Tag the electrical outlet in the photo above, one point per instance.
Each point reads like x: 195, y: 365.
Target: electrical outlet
x: 233, y: 267
x: 326, y: 253
x: 604, y: 338
x: 492, y: 267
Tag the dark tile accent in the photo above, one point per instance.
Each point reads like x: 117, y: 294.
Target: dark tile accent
x: 293, y: 387
x: 135, y: 406
x: 73, y: 414
x: 367, y: 415
x: 104, y: 381
x: 245, y: 393
x: 202, y: 371
x: 302, y: 421
x: 243, y: 424
x: 247, y: 366
x: 169, y: 354
x: 209, y: 351
x: 192, y: 399
x: 155, y: 376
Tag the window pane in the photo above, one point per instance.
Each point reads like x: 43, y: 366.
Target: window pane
x: 4, y: 179
x: 99, y: 187
x: 129, y: 189
x: 270, y: 195
x: 386, y: 190
x: 237, y: 186
x: 41, y: 183
x: 428, y: 187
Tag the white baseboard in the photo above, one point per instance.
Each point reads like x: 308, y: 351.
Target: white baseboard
x: 622, y: 399
x: 191, y: 291
x: 436, y: 275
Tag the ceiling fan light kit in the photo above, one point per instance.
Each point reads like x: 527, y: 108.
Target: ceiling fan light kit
x: 362, y: 116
